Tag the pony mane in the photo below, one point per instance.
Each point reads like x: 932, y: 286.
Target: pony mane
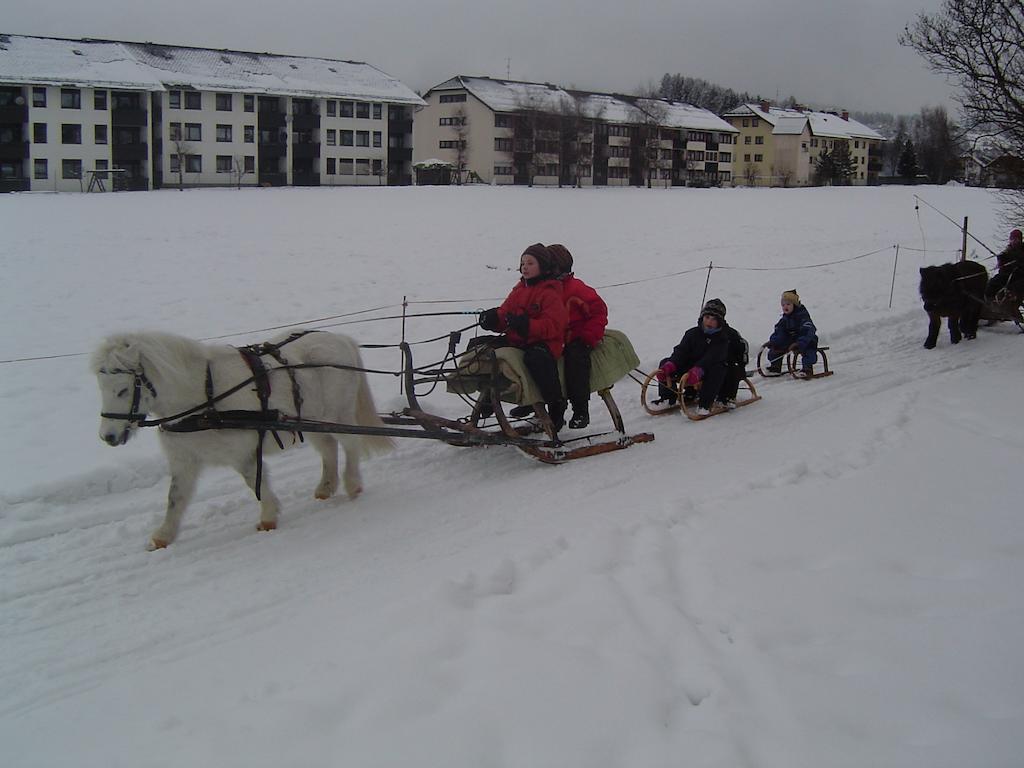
x: 174, y: 356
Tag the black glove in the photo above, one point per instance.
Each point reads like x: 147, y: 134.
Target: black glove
x: 520, y: 324
x: 489, y: 319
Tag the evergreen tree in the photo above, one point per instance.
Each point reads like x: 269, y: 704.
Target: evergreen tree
x: 844, y: 166
x: 907, y: 167
x: 824, y: 168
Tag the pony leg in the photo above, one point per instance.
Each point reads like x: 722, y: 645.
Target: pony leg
x: 353, y: 478
x: 269, y: 504
x: 934, y: 323
x: 954, y: 329
x: 183, y: 485
x: 327, y: 447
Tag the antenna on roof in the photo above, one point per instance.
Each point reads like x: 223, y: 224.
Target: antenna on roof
x: 508, y: 68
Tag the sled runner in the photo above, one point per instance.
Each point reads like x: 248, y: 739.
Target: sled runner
x: 792, y: 365
x: 685, y: 399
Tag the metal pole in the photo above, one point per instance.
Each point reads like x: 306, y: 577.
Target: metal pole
x: 895, y: 261
x: 963, y: 248
x: 711, y: 265
x: 405, y: 307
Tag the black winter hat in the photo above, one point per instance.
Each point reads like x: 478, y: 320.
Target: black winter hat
x: 563, y: 259
x: 715, y: 308
x: 544, y: 258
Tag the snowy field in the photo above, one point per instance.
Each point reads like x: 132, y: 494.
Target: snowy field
x: 830, y: 577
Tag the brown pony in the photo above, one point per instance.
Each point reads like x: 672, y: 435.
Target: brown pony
x: 955, y: 291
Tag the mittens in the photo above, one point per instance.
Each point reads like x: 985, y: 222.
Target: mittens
x: 694, y: 375
x: 489, y: 319
x: 520, y: 324
x: 666, y: 371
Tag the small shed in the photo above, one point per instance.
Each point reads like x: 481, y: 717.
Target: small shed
x: 433, y: 172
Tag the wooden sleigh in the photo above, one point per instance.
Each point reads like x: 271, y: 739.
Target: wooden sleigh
x: 686, y: 399
x: 792, y: 358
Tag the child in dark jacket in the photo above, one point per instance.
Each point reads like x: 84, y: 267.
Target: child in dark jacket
x: 795, y: 332
x: 710, y: 354
x: 1011, y: 267
x: 588, y: 316
x: 533, y: 317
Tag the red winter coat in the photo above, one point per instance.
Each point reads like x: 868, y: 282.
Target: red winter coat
x: 542, y: 302
x: 588, y: 314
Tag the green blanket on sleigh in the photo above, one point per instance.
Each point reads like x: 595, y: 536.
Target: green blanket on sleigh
x: 612, y: 359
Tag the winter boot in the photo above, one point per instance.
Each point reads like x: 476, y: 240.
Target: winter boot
x: 556, y: 411
x: 521, y: 411
x: 580, y: 416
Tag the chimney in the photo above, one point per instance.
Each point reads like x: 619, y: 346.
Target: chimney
x: 765, y: 105
x: 845, y: 115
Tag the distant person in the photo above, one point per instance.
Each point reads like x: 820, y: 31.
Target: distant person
x: 795, y: 332
x: 533, y: 317
x: 1009, y: 264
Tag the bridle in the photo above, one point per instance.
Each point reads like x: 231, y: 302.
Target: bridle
x: 139, y: 380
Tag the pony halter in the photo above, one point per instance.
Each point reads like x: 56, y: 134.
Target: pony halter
x: 139, y: 380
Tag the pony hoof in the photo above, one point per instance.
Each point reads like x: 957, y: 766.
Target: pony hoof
x: 354, y: 493
x: 155, y: 544
x: 323, y: 494
x: 267, y: 526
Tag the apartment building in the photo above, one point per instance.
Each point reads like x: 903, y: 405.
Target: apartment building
x: 780, y: 147
x: 88, y: 115
x: 514, y: 132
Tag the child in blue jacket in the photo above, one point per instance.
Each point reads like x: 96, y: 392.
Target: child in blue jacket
x: 795, y: 332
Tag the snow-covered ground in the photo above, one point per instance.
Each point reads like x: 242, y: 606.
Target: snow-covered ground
x: 830, y: 577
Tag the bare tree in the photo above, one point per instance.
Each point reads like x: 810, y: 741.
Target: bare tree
x: 238, y: 170
x: 750, y: 174
x: 181, y: 149
x: 936, y: 139
x: 978, y: 43
x: 649, y: 115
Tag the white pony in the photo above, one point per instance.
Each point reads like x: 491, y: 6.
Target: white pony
x: 165, y: 375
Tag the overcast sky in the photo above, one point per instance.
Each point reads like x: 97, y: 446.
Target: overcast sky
x: 831, y: 53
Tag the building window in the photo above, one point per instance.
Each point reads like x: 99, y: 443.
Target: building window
x: 585, y: 171
x: 223, y: 133
x: 746, y: 122
x: 377, y: 138
x: 725, y: 157
x: 746, y: 158
x: 460, y: 120
x: 193, y: 100
x: 194, y: 163
x: 363, y: 167
x: 362, y: 109
x: 362, y: 138
x: 758, y: 158
x: 175, y: 164
x: 71, y: 98
x: 250, y: 164
x: 503, y: 170
x: 332, y: 108
x: 40, y: 169
x: 174, y: 133
x: 39, y: 133
x: 856, y: 145
x: 38, y: 97
x: 452, y: 144
x: 378, y: 111
x: 452, y: 98
x: 99, y: 100
x: 71, y: 169
x: 70, y: 133
x: 345, y: 167
x: 102, y: 165
x: 332, y: 137
x: 224, y: 102
x: 99, y: 134
x: 249, y: 135
x: 174, y: 99
x: 814, y: 142
x: 346, y: 138
x: 249, y: 103
x: 193, y: 131
x: 223, y: 163
x: 759, y: 139
x: 332, y: 166
x: 502, y: 121
x: 345, y: 109
x: 503, y: 145
x: 754, y: 123
x: 746, y: 139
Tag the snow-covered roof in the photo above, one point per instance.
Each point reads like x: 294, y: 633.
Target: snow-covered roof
x: 790, y: 125
x: 148, y: 66
x: 513, y: 95
x: 822, y: 123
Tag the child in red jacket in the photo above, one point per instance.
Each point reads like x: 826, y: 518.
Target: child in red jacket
x: 533, y: 317
x: 588, y: 316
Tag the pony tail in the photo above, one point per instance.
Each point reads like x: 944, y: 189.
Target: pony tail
x: 367, y: 416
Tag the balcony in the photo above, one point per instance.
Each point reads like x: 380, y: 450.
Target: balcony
x: 273, y: 149
x: 130, y: 184
x: 272, y: 179
x: 268, y: 119
x: 129, y: 153
x: 305, y: 151
x: 14, y: 185
x: 14, y: 150
x: 308, y: 122
x: 125, y: 116
x: 399, y: 126
x: 399, y: 154
x: 305, y: 179
x: 14, y: 113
